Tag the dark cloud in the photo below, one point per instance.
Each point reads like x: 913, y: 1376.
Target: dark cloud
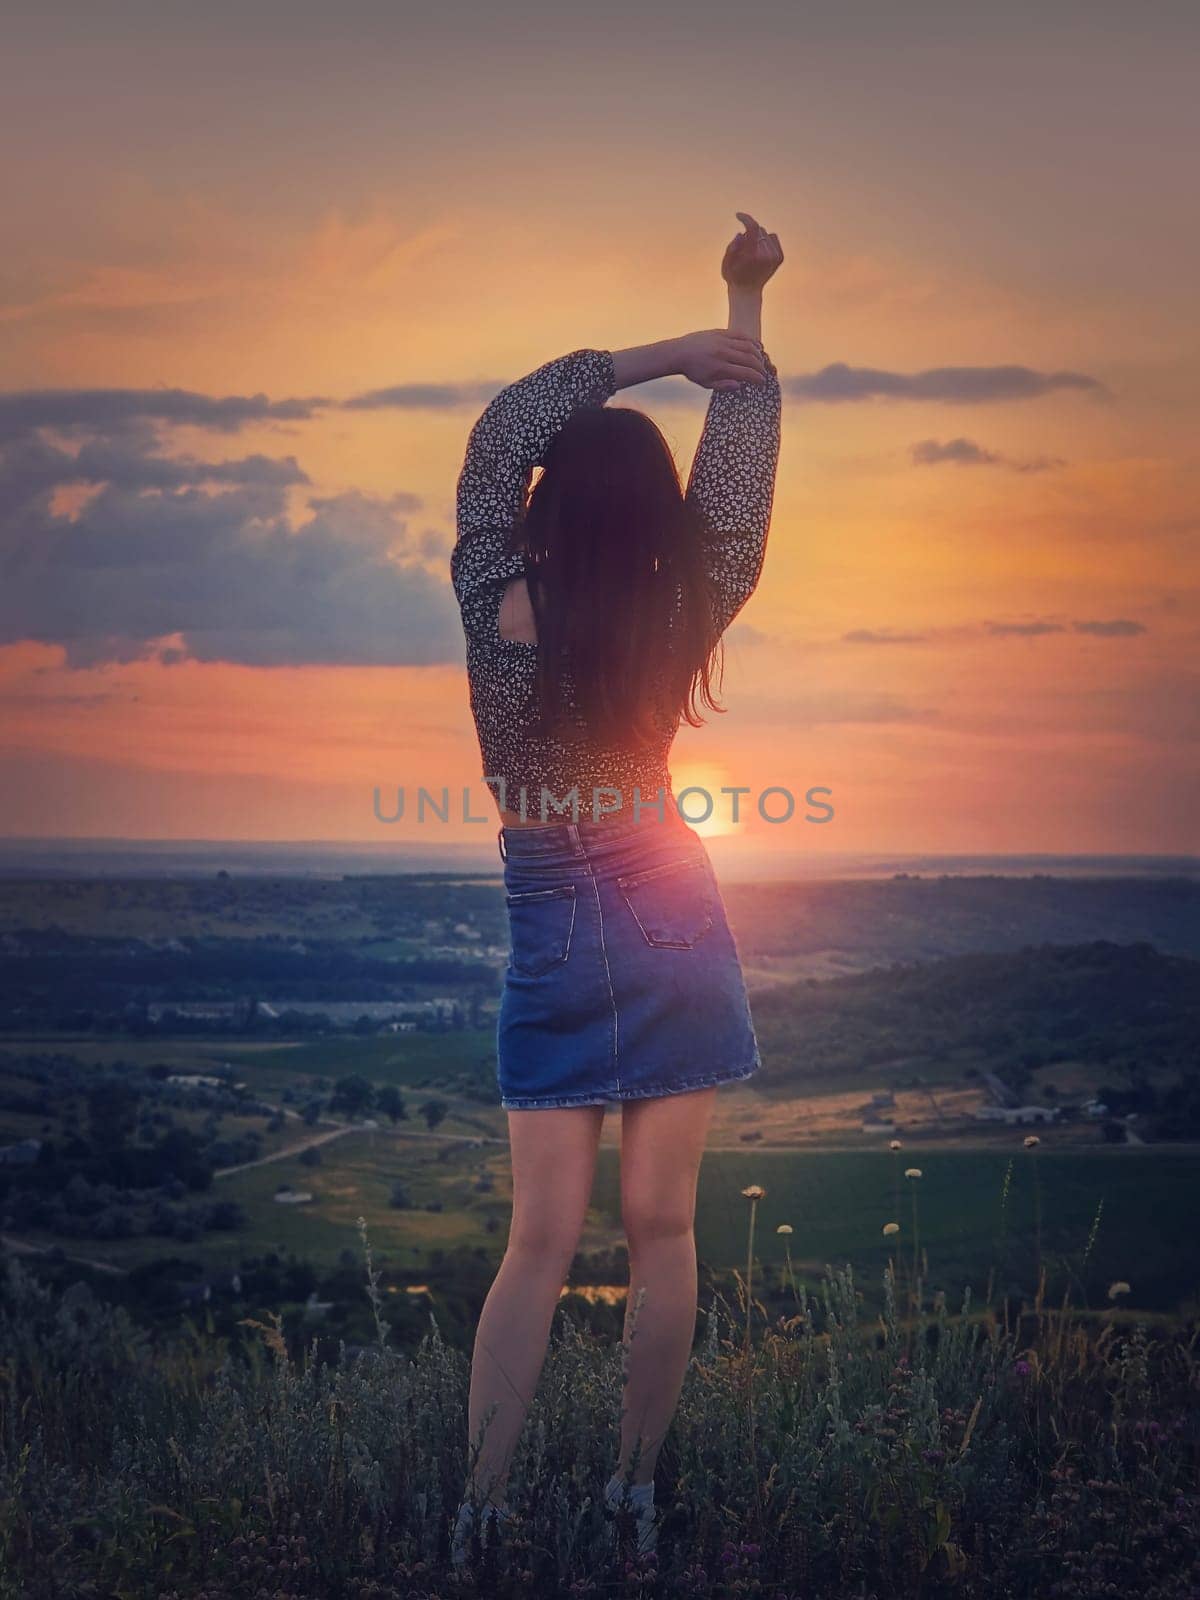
x: 1024, y: 630
x: 108, y: 411
x: 928, y: 452
x: 874, y: 636
x: 31, y: 465
x: 423, y: 396
x: 959, y: 385
x: 204, y: 554
x: 1117, y: 628
x: 115, y: 548
x: 966, y: 453
x: 1034, y: 628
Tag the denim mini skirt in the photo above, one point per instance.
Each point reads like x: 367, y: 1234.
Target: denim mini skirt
x: 623, y: 979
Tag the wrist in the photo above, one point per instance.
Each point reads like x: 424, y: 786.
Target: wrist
x: 745, y: 311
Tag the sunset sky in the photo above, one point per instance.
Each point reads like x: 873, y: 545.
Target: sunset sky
x: 264, y: 264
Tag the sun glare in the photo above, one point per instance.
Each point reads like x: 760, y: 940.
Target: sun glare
x: 704, y: 781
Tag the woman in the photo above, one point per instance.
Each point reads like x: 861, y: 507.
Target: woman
x: 593, y: 612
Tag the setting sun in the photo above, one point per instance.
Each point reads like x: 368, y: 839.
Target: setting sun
x: 708, y: 810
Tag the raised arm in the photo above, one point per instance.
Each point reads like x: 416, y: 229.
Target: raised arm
x: 732, y: 481
x: 504, y: 446
x: 732, y: 485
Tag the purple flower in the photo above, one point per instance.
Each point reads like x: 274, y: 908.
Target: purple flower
x: 934, y: 1457
x: 1022, y: 1369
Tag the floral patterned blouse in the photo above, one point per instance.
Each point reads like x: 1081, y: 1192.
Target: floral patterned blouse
x: 732, y: 483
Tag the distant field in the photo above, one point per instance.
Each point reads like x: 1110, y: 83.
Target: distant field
x: 403, y: 1059
x: 1058, y: 1022
x: 355, y: 1178
x: 838, y: 1201
x: 350, y: 909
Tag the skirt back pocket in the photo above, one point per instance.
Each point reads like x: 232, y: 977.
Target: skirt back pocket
x: 671, y: 903
x: 540, y: 923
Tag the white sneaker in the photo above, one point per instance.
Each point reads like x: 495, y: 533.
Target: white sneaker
x: 638, y: 1503
x: 460, y: 1541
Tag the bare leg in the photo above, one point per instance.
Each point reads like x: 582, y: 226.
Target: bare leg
x: 553, y: 1163
x: 662, y: 1141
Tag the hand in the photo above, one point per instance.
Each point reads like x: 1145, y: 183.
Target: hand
x: 717, y: 359
x: 751, y: 257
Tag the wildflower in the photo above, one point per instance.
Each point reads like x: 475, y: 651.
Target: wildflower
x: 934, y: 1457
x: 784, y: 1227
x: 1120, y: 1287
x: 891, y: 1227
x: 894, y: 1144
x: 912, y: 1172
x: 1022, y: 1369
x: 1030, y: 1140
x: 754, y: 1192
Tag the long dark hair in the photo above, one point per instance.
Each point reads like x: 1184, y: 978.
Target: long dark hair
x: 618, y: 580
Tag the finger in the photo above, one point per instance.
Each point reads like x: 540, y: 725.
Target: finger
x: 752, y: 363
x: 743, y: 367
x: 738, y: 346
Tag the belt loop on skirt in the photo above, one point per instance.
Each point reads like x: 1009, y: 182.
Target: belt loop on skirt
x: 500, y: 842
x: 576, y: 842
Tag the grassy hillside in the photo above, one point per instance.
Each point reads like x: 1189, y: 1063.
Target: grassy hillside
x: 981, y: 1458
